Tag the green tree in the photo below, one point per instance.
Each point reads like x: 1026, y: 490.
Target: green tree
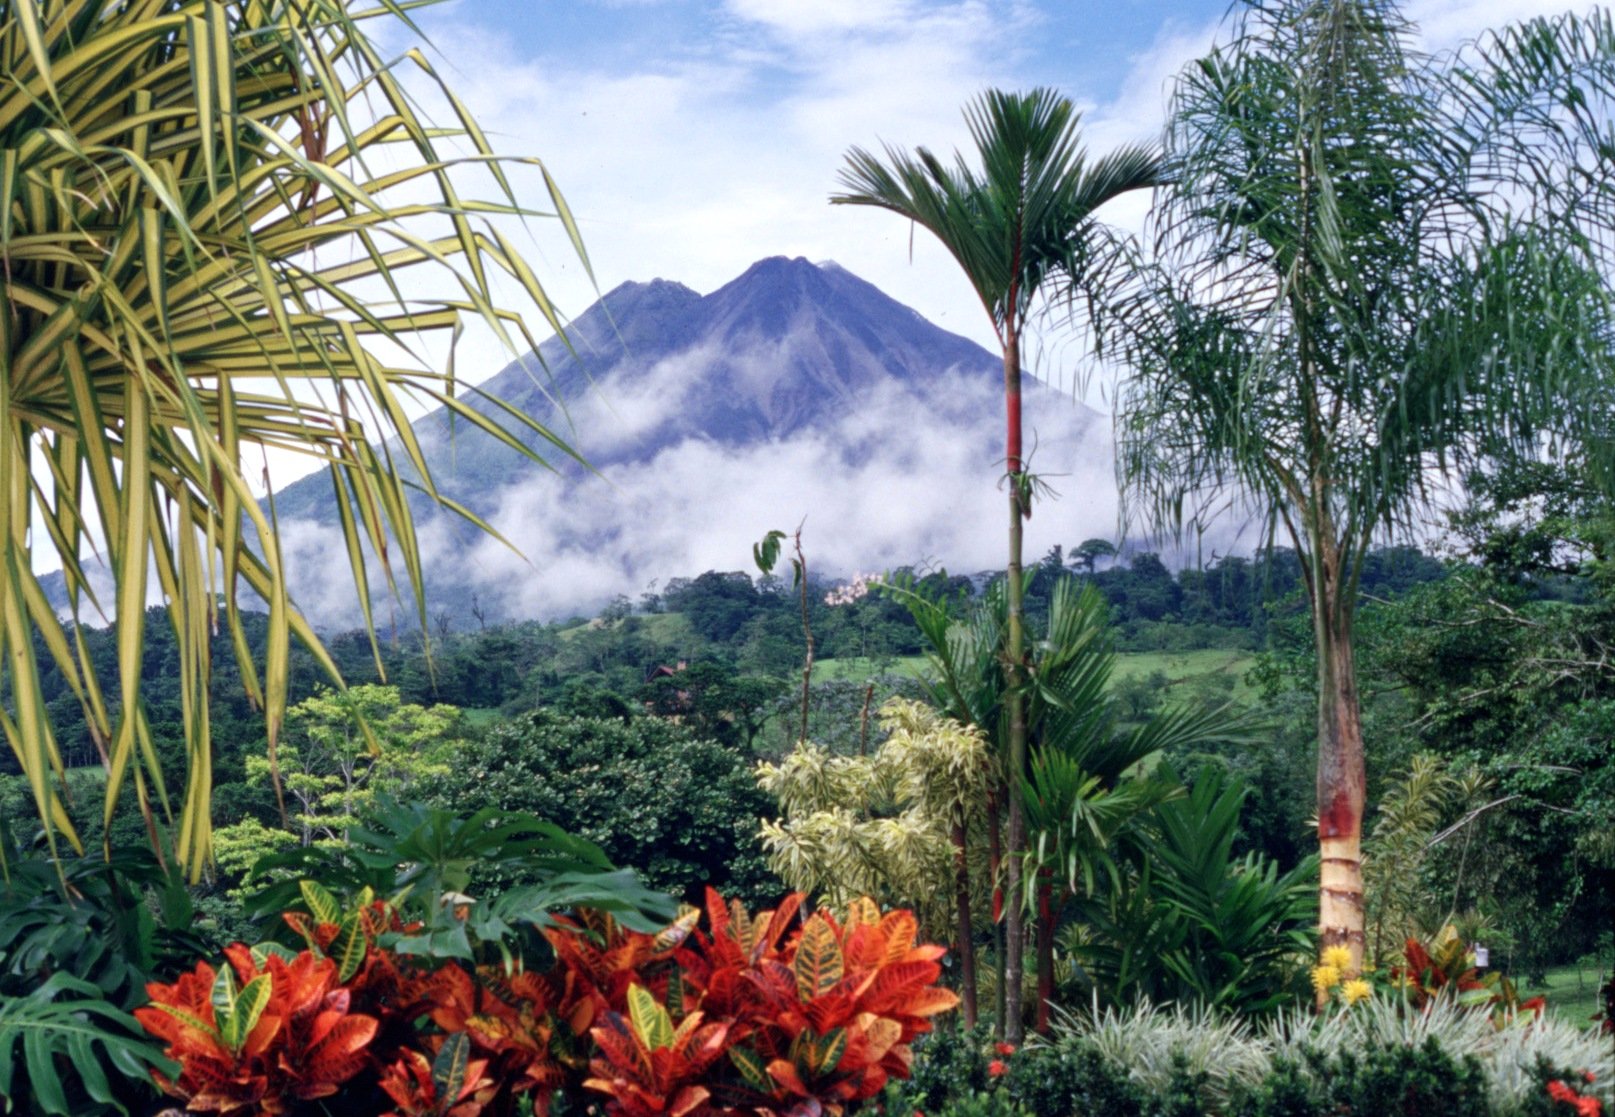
x: 681, y: 809
x: 192, y: 191
x: 344, y: 748
x: 714, y: 701
x: 1025, y: 216
x: 1090, y: 551
x: 1378, y: 268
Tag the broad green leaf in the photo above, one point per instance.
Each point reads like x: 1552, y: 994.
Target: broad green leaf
x: 449, y: 1068
x: 650, y: 1020
x: 320, y: 903
x: 348, y: 948
x: 246, y: 1012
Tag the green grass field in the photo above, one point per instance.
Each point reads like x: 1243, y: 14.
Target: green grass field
x: 1178, y: 667
x: 1189, y: 667
x: 477, y: 717
x: 666, y: 628
x: 859, y: 669
x: 1571, y: 997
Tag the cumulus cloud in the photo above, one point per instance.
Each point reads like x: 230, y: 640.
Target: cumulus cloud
x: 691, y: 162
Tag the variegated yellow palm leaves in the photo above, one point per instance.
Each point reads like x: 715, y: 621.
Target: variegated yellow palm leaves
x: 192, y: 189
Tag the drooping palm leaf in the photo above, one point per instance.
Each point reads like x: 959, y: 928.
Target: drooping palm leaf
x: 216, y: 223
x: 1377, y: 270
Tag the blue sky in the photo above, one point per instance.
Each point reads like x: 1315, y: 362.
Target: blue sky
x: 693, y: 137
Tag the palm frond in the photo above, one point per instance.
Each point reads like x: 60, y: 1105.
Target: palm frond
x: 208, y: 213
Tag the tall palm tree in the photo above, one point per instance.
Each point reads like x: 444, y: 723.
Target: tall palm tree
x: 216, y: 222
x: 1025, y: 215
x: 1377, y: 270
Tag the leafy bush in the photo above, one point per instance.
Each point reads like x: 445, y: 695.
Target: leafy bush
x: 68, y: 1023
x: 1072, y: 1078
x: 949, y: 1063
x: 1191, y: 921
x: 1162, y: 1048
x: 78, y: 942
x: 422, y: 857
x: 983, y: 1103
x: 1509, y: 1054
x: 1378, y: 1082
x: 655, y: 797
x: 748, y: 1016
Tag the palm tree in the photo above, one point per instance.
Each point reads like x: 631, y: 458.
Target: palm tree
x: 1085, y: 780
x: 1378, y: 270
x: 213, y: 220
x: 1026, y: 215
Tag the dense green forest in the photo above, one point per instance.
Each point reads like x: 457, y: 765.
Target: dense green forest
x: 1491, y: 669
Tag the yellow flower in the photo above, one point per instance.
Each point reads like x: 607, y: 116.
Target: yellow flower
x: 1356, y: 990
x: 1337, y: 956
x: 1325, y: 978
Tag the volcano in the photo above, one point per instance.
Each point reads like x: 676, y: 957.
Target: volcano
x: 796, y: 392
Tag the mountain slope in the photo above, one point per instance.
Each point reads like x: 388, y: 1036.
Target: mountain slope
x: 796, y: 390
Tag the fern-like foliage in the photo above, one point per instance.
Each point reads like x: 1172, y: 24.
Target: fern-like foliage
x: 57, y: 1045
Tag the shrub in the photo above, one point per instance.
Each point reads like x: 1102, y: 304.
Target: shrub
x: 753, y: 1014
x: 1378, y: 1082
x: 983, y: 1103
x: 655, y: 797
x: 1072, y: 1077
x: 1163, y: 1048
x: 1509, y: 1052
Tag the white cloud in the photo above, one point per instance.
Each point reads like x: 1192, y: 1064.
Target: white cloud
x: 796, y: 17
x: 877, y: 489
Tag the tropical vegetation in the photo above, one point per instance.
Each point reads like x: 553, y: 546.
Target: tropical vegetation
x: 1377, y: 271
x: 697, y: 855
x: 209, y: 210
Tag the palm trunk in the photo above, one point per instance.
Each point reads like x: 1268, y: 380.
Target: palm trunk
x: 965, y: 948
x: 1014, y: 653
x: 995, y: 860
x: 1341, y: 775
x: 1045, y: 948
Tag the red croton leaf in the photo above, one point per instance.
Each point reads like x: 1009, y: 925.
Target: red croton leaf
x: 303, y: 1045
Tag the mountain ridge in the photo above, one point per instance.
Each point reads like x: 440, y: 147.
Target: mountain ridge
x: 795, y: 389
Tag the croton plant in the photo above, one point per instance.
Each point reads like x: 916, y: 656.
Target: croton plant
x: 765, y: 1014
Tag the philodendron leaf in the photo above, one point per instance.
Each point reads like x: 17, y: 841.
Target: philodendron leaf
x: 348, y: 948
x: 818, y: 964
x: 224, y: 995
x: 321, y: 904
x: 267, y: 950
x: 448, y: 1069
x: 828, y: 1050
x: 751, y: 1069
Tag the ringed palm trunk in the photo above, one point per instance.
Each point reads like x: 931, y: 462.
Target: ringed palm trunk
x: 1015, y: 709
x: 1341, y: 773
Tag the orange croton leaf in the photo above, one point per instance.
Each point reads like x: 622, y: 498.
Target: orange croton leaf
x: 303, y: 1045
